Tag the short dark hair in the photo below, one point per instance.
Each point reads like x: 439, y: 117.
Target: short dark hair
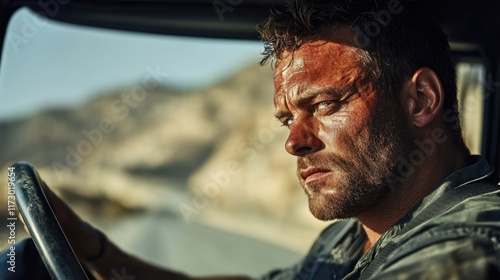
x: 397, y: 36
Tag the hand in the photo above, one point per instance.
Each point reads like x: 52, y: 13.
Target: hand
x: 83, y: 239
x: 86, y: 243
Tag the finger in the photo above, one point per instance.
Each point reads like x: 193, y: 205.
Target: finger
x: 62, y: 211
x: 22, y: 221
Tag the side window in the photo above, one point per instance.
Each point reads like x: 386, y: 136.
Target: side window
x: 472, y: 92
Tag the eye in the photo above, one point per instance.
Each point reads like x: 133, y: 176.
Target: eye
x: 324, y: 104
x: 324, y: 107
x: 287, y: 121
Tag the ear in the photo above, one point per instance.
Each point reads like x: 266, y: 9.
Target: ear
x: 423, y: 97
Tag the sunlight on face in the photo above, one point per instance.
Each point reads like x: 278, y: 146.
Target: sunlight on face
x: 346, y: 136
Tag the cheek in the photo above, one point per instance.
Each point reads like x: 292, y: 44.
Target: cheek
x: 334, y: 129
x: 349, y: 128
x: 340, y: 130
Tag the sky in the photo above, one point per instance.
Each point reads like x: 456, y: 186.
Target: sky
x: 47, y: 64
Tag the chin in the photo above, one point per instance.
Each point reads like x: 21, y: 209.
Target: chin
x: 342, y: 204
x: 327, y: 208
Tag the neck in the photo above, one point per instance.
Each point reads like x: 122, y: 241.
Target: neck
x: 393, y: 206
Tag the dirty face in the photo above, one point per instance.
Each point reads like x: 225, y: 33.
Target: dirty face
x: 346, y: 136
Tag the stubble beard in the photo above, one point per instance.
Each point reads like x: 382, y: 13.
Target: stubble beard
x: 359, y: 180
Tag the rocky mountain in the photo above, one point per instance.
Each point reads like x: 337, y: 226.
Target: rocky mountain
x: 213, y: 155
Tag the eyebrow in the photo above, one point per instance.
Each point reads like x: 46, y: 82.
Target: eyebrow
x: 307, y: 96
x: 281, y: 114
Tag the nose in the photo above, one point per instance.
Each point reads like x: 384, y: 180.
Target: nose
x: 302, y: 141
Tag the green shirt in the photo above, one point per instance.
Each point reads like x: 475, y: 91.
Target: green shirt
x: 462, y: 243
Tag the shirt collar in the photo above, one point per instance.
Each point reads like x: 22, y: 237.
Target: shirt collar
x: 477, y: 169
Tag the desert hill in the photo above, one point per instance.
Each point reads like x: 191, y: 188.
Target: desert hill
x: 214, y: 155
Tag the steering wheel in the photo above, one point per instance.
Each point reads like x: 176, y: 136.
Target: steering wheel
x: 50, y: 241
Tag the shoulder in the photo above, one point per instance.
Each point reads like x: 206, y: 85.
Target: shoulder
x: 332, y: 236
x: 481, y: 210
x: 341, y: 226
x: 459, y: 252
x: 462, y: 243
x: 329, y: 238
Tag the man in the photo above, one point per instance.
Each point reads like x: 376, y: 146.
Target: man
x: 367, y: 91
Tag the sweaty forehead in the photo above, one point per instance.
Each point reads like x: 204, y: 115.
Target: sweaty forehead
x: 316, y: 64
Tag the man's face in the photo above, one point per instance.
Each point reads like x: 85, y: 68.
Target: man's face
x: 347, y: 137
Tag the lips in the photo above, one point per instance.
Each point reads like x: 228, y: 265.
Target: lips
x: 310, y: 175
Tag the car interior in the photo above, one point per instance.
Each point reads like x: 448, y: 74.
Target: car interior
x: 471, y: 26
